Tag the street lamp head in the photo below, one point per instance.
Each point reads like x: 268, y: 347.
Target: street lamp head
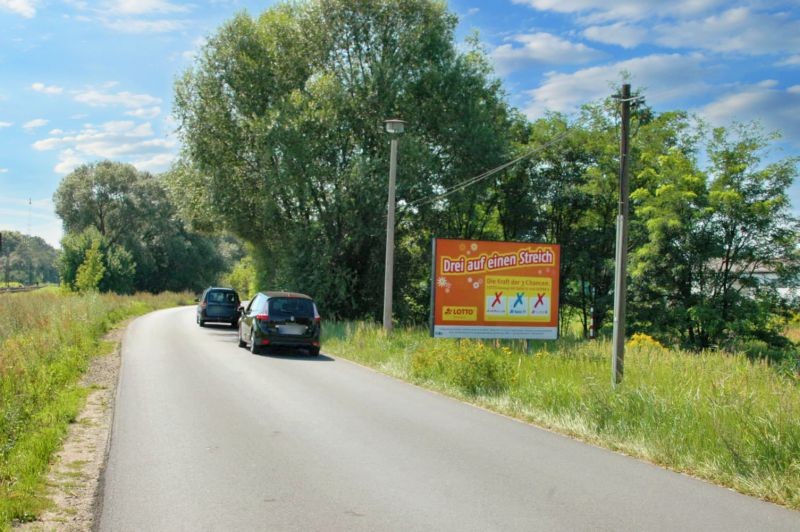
x: 394, y: 125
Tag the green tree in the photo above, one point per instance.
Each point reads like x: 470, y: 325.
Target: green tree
x: 666, y: 268
x: 118, y: 266
x: 753, y: 228
x: 27, y: 259
x: 91, y: 270
x: 242, y: 278
x: 281, y: 121
x: 140, y: 230
x: 566, y: 193
x: 98, y: 195
x: 707, y: 234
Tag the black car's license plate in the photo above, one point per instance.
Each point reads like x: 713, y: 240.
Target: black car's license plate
x: 292, y: 329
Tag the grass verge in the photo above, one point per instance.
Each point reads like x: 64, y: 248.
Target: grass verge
x: 47, y: 339
x: 713, y: 415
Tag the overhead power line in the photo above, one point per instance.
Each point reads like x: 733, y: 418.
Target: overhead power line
x: 478, y: 178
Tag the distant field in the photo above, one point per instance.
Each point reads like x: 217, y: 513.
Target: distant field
x: 713, y: 415
x: 47, y: 339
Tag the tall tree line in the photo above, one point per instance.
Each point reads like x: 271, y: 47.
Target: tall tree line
x: 281, y: 122
x: 120, y: 222
x: 27, y: 260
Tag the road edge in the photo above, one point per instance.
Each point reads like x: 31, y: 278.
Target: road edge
x: 75, y: 476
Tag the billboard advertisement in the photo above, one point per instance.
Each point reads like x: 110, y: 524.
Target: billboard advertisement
x: 484, y: 289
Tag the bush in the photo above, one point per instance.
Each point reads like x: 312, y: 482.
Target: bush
x: 242, y: 278
x: 471, y: 366
x: 643, y: 340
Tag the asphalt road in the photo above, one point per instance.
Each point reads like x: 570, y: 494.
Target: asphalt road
x: 207, y: 436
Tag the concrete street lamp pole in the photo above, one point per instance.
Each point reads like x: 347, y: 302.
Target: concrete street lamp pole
x: 393, y: 127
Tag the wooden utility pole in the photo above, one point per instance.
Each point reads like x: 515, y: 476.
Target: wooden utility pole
x: 620, y: 270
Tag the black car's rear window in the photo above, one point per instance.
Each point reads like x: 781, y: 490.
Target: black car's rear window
x: 222, y: 297
x: 283, y: 307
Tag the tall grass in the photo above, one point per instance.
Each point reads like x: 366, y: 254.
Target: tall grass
x: 47, y: 339
x: 714, y: 415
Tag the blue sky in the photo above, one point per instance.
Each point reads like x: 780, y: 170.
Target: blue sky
x: 82, y: 81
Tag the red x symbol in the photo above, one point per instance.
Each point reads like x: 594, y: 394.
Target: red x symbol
x: 540, y: 299
x: 496, y: 298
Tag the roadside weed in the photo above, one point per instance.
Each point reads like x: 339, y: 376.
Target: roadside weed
x: 47, y: 339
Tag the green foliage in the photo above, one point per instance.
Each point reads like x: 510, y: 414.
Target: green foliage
x: 242, y: 278
x: 281, y: 119
x: 117, y: 265
x: 714, y: 415
x: 26, y: 260
x: 467, y: 365
x: 144, y: 245
x: 564, y: 194
x: 703, y: 237
x: 91, y: 270
x: 47, y: 339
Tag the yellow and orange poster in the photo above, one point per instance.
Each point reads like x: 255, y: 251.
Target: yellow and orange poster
x: 484, y: 289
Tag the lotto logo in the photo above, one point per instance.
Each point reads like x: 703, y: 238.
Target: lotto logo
x: 460, y: 313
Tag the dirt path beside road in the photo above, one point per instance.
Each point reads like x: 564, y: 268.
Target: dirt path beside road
x: 74, y: 478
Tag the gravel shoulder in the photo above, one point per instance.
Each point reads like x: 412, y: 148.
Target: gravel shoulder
x: 73, y: 481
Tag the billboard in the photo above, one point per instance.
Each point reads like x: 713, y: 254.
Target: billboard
x: 484, y: 289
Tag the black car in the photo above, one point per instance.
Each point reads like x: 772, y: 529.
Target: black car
x: 218, y: 305
x: 280, y: 319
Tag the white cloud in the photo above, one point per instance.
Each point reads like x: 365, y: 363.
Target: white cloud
x: 745, y: 27
x: 67, y: 162
x: 739, y: 30
x: 135, y: 16
x: 26, y: 8
x: 98, y: 98
x: 123, y: 140
x: 3, y: 170
x: 620, y: 34
x: 676, y: 76
x: 472, y: 11
x: 791, y: 61
x: 55, y: 132
x: 156, y: 163
x: 41, y: 87
x: 33, y: 124
x: 145, y: 112
x: 6, y: 124
x: 144, y: 7
x: 538, y: 48
x: 775, y: 108
x: 604, y: 10
x: 131, y: 25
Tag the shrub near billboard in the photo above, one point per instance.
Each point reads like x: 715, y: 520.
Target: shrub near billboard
x: 484, y: 289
